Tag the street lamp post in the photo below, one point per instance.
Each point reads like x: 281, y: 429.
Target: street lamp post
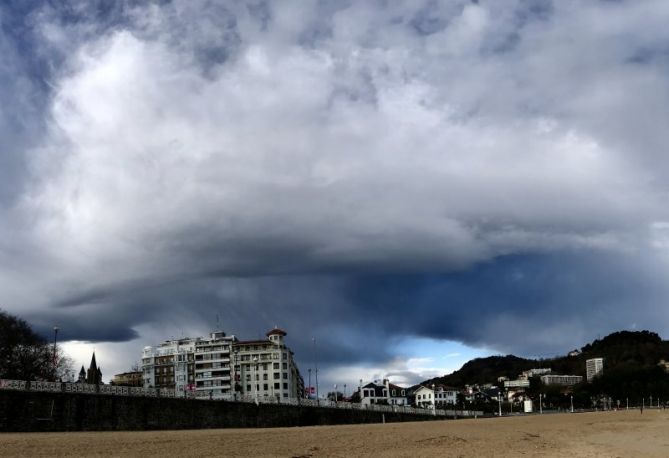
x: 541, y: 407
x: 499, y: 401
x: 55, y: 356
x: 571, y: 401
x: 255, y: 376
x: 309, y: 391
x: 335, y: 391
x: 345, y: 394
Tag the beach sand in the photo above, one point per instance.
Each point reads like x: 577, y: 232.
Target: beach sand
x: 597, y: 434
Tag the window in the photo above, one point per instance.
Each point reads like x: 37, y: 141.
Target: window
x: 276, y: 365
x: 393, y: 392
x: 285, y: 366
x: 264, y: 376
x: 285, y: 376
x: 248, y: 388
x: 264, y: 387
x: 277, y: 386
x: 277, y: 375
x: 285, y: 386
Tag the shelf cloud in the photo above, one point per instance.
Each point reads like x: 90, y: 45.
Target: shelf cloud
x: 492, y: 173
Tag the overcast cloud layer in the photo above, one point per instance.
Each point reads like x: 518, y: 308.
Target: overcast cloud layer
x: 487, y: 172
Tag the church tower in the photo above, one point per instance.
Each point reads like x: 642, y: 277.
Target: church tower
x: 94, y: 374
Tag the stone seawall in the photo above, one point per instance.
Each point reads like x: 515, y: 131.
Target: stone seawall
x: 39, y: 411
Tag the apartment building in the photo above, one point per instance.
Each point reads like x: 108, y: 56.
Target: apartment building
x: 593, y: 368
x: 212, y: 364
x: 170, y: 365
x: 266, y: 368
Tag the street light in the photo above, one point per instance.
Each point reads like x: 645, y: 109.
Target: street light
x: 541, y: 407
x: 571, y: 401
x: 335, y: 391
x: 55, y: 357
x: 255, y: 376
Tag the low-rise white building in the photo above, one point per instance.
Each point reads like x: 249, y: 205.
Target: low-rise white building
x: 561, y: 380
x: 440, y: 396
x: 383, y: 392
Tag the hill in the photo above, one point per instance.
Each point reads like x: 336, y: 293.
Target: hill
x: 630, y: 364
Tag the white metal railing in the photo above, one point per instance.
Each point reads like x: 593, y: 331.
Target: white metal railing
x: 206, y: 395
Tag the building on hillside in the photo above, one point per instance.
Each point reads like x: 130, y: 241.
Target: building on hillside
x: 91, y: 376
x: 534, y: 372
x: 383, y: 393
x: 520, y: 383
x: 561, y: 380
x: 267, y: 368
x: 664, y: 365
x: 436, y: 396
x: 133, y: 378
x: 594, y: 367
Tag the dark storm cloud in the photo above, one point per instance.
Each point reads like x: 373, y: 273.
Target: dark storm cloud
x: 360, y: 172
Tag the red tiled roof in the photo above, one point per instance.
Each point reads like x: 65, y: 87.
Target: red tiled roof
x: 278, y: 331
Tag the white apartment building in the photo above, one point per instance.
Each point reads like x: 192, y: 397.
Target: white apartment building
x: 212, y: 365
x: 169, y: 365
x: 561, y: 380
x: 593, y: 368
x: 221, y: 366
x: 266, y: 368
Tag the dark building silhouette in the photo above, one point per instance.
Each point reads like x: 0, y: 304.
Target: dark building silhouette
x: 93, y: 375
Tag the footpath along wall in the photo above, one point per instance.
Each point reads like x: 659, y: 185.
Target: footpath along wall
x: 44, y: 411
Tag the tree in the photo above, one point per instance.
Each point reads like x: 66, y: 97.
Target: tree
x: 24, y: 355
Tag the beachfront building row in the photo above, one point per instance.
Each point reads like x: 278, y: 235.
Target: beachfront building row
x: 219, y: 365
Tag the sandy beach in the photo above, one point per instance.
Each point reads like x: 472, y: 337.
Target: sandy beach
x: 598, y: 434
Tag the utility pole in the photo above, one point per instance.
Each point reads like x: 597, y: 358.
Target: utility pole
x: 255, y: 375
x: 541, y: 407
x: 499, y: 400
x: 316, y: 369
x: 55, y: 355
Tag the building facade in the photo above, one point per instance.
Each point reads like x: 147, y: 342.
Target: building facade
x: 561, y: 380
x: 593, y: 368
x: 440, y: 396
x: 221, y: 366
x: 129, y: 379
x: 170, y: 365
x: 212, y: 364
x: 266, y: 368
x: 383, y: 393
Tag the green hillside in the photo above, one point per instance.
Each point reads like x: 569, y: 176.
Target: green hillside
x: 630, y: 367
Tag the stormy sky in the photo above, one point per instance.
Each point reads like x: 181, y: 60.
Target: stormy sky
x: 412, y: 183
